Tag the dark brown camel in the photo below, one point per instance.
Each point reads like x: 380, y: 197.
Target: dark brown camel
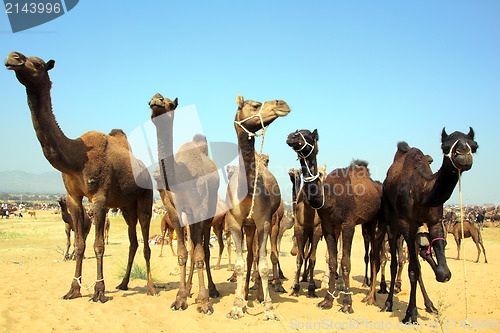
x: 413, y: 195
x: 250, y: 118
x: 346, y: 198
x: 470, y: 230
x: 97, y: 166
x: 192, y: 178
x: 69, y: 226
x: 307, y: 230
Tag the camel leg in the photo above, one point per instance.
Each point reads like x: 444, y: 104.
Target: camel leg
x: 394, y: 268
x: 100, y: 209
x: 480, y: 241
x: 331, y: 243
x: 218, y: 233
x: 299, y: 241
x: 262, y: 234
x: 278, y: 287
x: 198, y: 231
x: 401, y: 264
x: 366, y: 240
x: 213, y: 293
x: 68, y: 241
x: 239, y: 302
x: 311, y: 293
x: 413, y: 274
x: 130, y: 216
x: 180, y: 302
x: 377, y: 240
x: 228, y: 241
x: 458, y: 240
x: 383, y: 283
x: 347, y: 235
x: 144, y: 214
x: 75, y: 208
x: 307, y: 247
x: 250, y: 234
x: 163, y: 232
x: 429, y: 306
x: 170, y: 240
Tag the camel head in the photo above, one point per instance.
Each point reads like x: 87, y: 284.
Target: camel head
x: 32, y: 72
x: 253, y: 116
x: 303, y: 142
x: 231, y: 170
x: 160, y: 105
x: 294, y: 175
x: 459, y: 148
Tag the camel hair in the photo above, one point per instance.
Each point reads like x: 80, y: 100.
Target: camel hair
x: 346, y: 198
x: 412, y: 196
x: 69, y: 226
x: 251, y: 117
x: 98, y: 166
x: 306, y: 230
x: 470, y: 230
x: 193, y: 179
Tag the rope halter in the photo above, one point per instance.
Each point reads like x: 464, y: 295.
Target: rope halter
x: 450, y: 153
x: 251, y: 134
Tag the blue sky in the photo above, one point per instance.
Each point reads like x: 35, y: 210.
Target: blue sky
x: 366, y: 74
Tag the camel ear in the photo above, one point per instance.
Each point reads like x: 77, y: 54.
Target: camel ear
x: 471, y: 133
x: 239, y: 101
x: 315, y: 135
x: 174, y: 104
x: 443, y: 135
x: 50, y: 64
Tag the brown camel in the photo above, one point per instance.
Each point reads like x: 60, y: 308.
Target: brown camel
x: 69, y: 226
x: 98, y: 166
x: 470, y: 230
x: 413, y: 195
x: 346, y: 198
x: 193, y: 180
x: 166, y: 225
x: 250, y: 118
x: 306, y: 230
x: 32, y: 214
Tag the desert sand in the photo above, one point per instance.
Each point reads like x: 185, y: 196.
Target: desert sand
x: 33, y: 278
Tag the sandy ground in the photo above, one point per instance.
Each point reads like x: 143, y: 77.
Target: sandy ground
x: 33, y: 278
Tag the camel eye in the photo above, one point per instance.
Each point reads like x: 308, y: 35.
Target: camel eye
x: 255, y: 106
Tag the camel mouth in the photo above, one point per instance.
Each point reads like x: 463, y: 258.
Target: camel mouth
x: 281, y: 112
x: 156, y: 104
x: 12, y: 67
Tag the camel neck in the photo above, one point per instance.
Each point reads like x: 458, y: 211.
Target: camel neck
x: 247, y: 158
x: 441, y: 189
x: 59, y: 150
x: 312, y: 189
x: 164, y: 134
x: 295, y: 189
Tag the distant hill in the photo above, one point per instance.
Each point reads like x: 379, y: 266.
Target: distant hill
x: 26, y: 182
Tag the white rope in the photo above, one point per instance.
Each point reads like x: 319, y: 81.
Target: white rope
x: 251, y: 134
x: 82, y: 286
x: 450, y: 153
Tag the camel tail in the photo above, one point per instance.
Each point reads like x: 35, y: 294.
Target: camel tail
x: 403, y: 147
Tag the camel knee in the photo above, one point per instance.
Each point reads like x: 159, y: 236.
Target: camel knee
x: 200, y: 263
x: 238, y: 269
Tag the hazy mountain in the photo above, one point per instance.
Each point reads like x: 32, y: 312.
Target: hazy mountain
x: 26, y: 182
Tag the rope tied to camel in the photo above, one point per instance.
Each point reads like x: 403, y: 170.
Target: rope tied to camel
x: 462, y: 246
x: 340, y: 292
x: 84, y: 287
x: 257, y: 164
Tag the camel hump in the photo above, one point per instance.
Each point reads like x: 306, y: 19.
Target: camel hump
x: 117, y: 132
x: 359, y: 163
x: 403, y: 147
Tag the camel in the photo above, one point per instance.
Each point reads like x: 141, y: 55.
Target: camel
x: 166, y: 225
x: 307, y: 229
x: 32, y: 214
x: 413, y: 195
x: 262, y: 203
x: 193, y: 180
x: 470, y: 230
x: 98, y: 166
x: 346, y: 198
x: 69, y: 225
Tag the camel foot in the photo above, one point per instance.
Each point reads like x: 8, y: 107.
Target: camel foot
x: 229, y: 267
x: 151, y: 289
x: 269, y: 315
x: 430, y: 308
x: 122, y: 286
x: 279, y: 288
x: 204, y: 306
x: 411, y: 316
x: 236, y: 313
x: 217, y: 267
x: 99, y: 297
x: 347, y: 309
x: 73, y: 293
x: 213, y: 293
x: 387, y: 307
x: 232, y: 278
x: 326, y: 304
x: 311, y: 293
x: 180, y: 302
x: 295, y: 291
x: 369, y: 300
